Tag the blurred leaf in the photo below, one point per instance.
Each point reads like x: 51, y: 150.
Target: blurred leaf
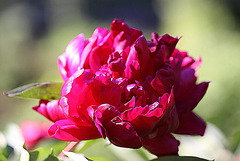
x: 2, y: 158
x: 99, y: 159
x: 179, y: 158
x: 87, y: 144
x: 52, y: 157
x: 7, y: 151
x: 49, y: 144
x: 37, y: 155
x: 142, y: 154
x: 39, y: 90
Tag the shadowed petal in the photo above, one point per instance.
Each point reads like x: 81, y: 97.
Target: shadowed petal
x: 160, y: 146
x: 191, y: 124
x: 122, y: 134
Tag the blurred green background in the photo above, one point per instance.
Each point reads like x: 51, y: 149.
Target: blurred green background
x: 34, y: 33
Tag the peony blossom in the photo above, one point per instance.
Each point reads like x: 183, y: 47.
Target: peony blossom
x: 133, y: 91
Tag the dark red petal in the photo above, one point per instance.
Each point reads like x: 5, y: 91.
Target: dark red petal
x: 106, y: 113
x: 191, y: 124
x: 122, y: 134
x: 67, y: 131
x: 160, y: 146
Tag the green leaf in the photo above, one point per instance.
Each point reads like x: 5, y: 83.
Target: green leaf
x: 86, y: 144
x: 36, y: 155
x: 38, y: 90
x: 179, y: 158
x: 51, y: 157
x: 8, y: 150
x: 2, y: 158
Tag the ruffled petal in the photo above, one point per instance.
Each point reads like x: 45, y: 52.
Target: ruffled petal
x: 137, y: 61
x: 51, y: 110
x: 76, y: 94
x: 105, y: 91
x: 99, y: 57
x: 143, y: 119
x: 163, y: 81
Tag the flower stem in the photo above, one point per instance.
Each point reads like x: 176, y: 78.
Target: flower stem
x: 69, y: 147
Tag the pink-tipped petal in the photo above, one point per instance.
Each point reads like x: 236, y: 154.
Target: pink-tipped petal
x: 34, y: 132
x: 68, y: 131
x: 69, y: 62
x: 51, y: 110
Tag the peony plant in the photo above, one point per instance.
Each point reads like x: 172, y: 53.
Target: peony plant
x: 118, y: 85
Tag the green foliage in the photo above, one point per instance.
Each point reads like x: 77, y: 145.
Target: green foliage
x: 38, y: 155
x: 38, y: 90
x: 7, y: 151
x: 2, y: 157
x: 179, y: 158
x: 51, y: 157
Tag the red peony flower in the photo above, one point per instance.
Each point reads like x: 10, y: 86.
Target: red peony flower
x: 133, y: 91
